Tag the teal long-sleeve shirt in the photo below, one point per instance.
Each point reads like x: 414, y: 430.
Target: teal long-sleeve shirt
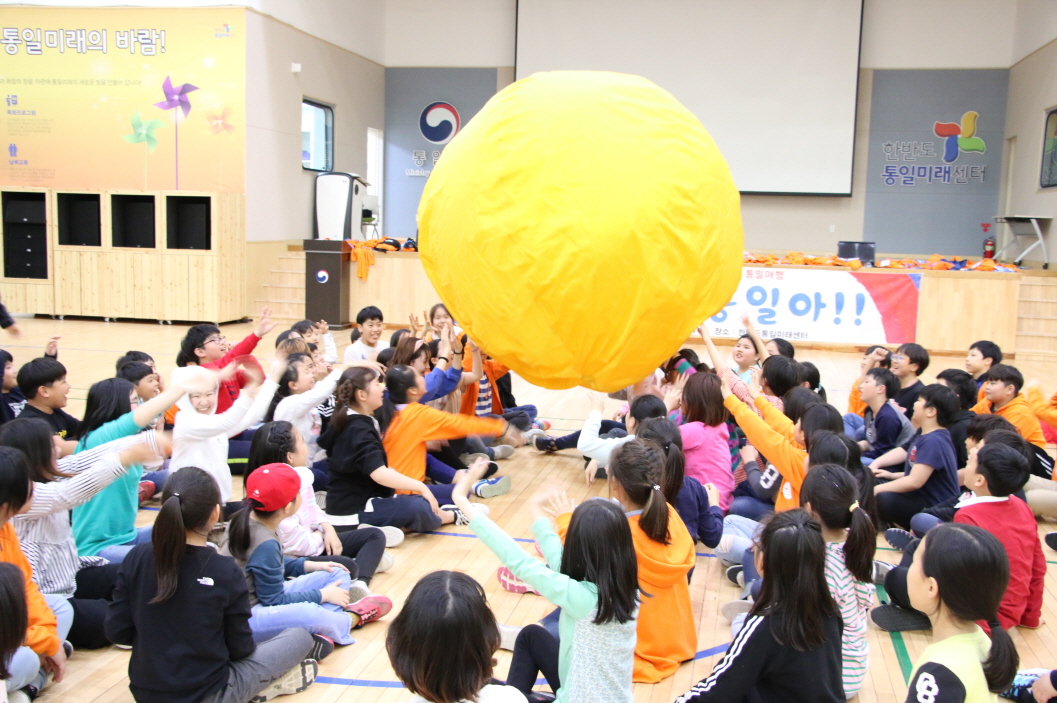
x: 594, y: 661
x: 109, y: 518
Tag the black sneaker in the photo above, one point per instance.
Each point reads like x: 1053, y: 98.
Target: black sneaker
x: 732, y: 574
x: 321, y: 647
x: 897, y: 538
x: 880, y: 570
x: 1051, y: 541
x: 544, y: 443
x: 294, y: 681
x: 892, y: 618
x: 540, y: 697
x: 492, y: 468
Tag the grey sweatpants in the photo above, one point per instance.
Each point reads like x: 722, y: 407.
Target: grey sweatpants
x: 248, y: 677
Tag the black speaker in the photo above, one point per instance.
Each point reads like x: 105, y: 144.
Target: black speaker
x: 132, y: 220
x: 79, y: 219
x: 188, y: 218
x: 25, y: 235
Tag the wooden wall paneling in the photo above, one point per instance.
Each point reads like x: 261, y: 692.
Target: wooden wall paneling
x: 267, y: 265
x: 203, y: 291
x: 229, y: 248
x: 147, y: 285
x: 67, y: 276
x: 13, y: 296
x: 956, y: 309
x: 397, y: 284
x: 119, y: 282
x: 40, y: 298
x: 93, y: 284
x: 174, y: 298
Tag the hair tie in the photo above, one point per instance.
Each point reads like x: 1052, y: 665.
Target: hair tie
x: 667, y: 446
x: 853, y: 506
x: 994, y: 625
x: 656, y: 487
x: 177, y: 497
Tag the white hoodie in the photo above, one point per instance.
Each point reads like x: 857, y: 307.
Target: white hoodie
x: 202, y: 440
x: 302, y: 411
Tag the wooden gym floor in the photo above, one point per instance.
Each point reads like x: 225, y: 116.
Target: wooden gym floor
x: 361, y: 672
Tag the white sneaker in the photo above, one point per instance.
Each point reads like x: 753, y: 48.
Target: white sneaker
x: 393, y: 535
x: 732, y: 609
x: 358, y: 591
x: 294, y: 681
x: 503, y: 451
x: 21, y: 696
x: 507, y: 636
x: 385, y: 563
x: 321, y: 500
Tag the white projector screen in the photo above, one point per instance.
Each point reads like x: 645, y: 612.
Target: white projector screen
x: 773, y: 81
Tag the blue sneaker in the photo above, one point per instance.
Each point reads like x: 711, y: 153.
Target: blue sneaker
x: 491, y: 487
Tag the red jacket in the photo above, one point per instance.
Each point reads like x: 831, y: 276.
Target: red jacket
x: 1012, y: 522
x: 229, y: 389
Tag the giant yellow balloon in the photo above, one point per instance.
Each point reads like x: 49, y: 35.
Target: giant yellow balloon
x: 580, y: 226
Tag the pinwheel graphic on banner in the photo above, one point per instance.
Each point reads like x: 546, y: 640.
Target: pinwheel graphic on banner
x: 176, y: 99
x: 143, y: 133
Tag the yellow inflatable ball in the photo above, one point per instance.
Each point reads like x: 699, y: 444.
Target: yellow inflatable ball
x: 580, y: 227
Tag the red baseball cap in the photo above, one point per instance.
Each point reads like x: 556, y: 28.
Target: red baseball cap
x: 274, y: 486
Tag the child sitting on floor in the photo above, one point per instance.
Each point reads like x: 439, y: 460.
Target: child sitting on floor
x: 318, y: 333
x: 793, y: 627
x: 704, y: 432
x: 366, y: 336
x: 883, y: 428
x: 184, y: 611
x: 446, y: 607
x: 595, y: 586
x: 908, y: 363
x: 317, y: 597
x: 930, y: 472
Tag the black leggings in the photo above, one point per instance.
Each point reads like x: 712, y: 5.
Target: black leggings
x: 535, y: 650
x: 449, y: 454
x: 363, y: 548
x: 896, y: 578
x: 898, y: 508
x: 569, y: 441
x: 95, y: 589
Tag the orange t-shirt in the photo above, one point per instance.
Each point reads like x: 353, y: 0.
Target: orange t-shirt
x: 405, y: 440
x: 1018, y: 412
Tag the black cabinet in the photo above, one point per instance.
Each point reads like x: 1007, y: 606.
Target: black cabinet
x: 132, y: 221
x: 25, y: 232
x: 188, y: 221
x: 79, y: 221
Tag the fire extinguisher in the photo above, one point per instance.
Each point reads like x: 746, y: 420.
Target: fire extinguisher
x: 989, y: 243
x: 989, y: 248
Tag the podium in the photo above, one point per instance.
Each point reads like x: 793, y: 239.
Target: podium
x: 328, y: 273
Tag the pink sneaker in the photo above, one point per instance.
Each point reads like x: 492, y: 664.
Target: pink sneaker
x: 512, y: 583
x: 147, y: 489
x: 370, y: 609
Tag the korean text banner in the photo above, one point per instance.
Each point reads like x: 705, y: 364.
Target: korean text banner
x: 823, y: 306
x: 123, y: 99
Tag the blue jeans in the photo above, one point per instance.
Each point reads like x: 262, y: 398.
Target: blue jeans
x: 117, y: 554
x: 158, y: 478
x: 738, y: 534
x: 922, y: 523
x: 25, y: 664
x: 855, y: 426
x: 752, y: 508
x: 267, y: 621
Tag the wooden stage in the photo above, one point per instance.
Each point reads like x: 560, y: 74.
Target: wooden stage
x: 361, y: 672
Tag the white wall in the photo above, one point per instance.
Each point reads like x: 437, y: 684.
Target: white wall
x: 938, y: 33
x: 1036, y: 26
x: 450, y: 33
x: 279, y: 194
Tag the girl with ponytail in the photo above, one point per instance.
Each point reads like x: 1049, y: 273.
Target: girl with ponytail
x: 667, y: 635
x: 184, y: 609
x: 958, y: 578
x: 697, y: 505
x: 831, y: 495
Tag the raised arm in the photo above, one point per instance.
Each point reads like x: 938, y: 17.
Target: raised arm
x: 756, y: 338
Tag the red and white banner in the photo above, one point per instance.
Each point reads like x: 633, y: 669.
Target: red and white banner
x: 849, y: 307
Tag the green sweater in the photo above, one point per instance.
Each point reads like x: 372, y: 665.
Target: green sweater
x: 109, y: 518
x: 594, y: 661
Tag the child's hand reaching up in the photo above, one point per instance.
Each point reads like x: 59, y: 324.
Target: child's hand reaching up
x: 673, y: 397
x: 554, y: 503
x: 755, y: 387
x: 460, y: 493
x: 724, y: 384
x: 265, y: 324
x: 52, y: 347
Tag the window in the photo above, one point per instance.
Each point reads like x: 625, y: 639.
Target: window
x: 1048, y: 179
x: 317, y: 137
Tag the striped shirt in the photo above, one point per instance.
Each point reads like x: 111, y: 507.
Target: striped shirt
x: 484, y: 397
x: 45, y: 533
x: 854, y: 599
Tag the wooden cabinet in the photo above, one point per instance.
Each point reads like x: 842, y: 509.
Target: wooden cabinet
x: 139, y: 282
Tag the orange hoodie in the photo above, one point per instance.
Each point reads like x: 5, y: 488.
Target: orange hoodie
x: 1018, y: 412
x: 492, y: 370
x: 779, y: 448
x: 1047, y: 412
x: 667, y: 631
x: 41, y: 636
x: 405, y: 440
x: 855, y: 404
